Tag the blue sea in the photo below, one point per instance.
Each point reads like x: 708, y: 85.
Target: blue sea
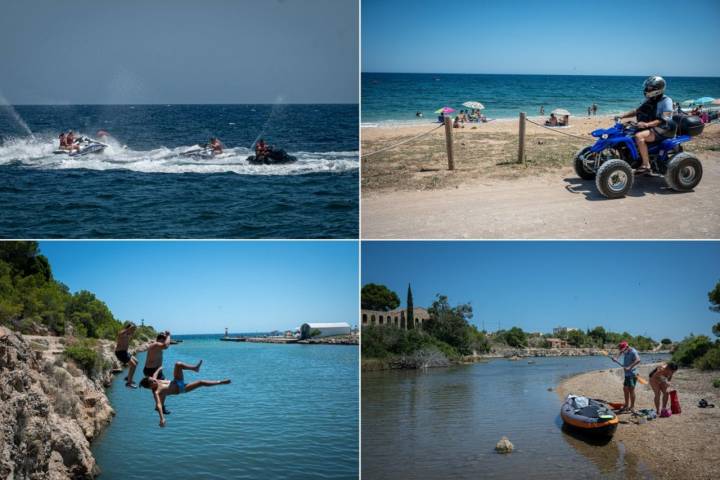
x: 141, y: 187
x: 394, y: 98
x: 290, y: 412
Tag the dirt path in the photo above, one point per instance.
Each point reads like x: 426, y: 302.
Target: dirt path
x: 553, y: 207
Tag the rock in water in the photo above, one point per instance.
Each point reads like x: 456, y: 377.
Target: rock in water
x: 504, y: 446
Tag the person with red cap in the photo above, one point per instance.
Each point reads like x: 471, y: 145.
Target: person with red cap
x: 631, y: 359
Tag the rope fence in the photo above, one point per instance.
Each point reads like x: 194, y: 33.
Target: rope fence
x: 521, y: 138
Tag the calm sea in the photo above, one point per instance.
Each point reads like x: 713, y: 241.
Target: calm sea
x: 141, y: 187
x: 394, y: 98
x: 444, y: 423
x: 290, y: 412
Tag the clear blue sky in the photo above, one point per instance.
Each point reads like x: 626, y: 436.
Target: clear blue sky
x: 651, y: 288
x: 179, y: 51
x: 570, y: 37
x: 203, y: 287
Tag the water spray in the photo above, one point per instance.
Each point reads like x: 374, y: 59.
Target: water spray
x: 273, y: 111
x: 16, y: 116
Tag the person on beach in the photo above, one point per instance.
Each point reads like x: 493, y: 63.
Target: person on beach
x: 162, y: 388
x: 594, y: 108
x: 654, y: 119
x: 630, y: 360
x: 552, y: 121
x: 456, y: 123
x: 589, y: 111
x: 660, y: 381
x: 542, y: 110
x: 121, y: 352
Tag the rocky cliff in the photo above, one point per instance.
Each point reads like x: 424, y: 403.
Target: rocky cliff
x: 50, y: 410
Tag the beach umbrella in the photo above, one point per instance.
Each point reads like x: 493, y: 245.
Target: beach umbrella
x: 716, y: 101
x: 703, y: 100
x: 561, y: 112
x: 474, y: 105
x: 445, y: 110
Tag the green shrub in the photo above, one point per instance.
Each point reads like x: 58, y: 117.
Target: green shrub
x: 710, y: 360
x: 690, y: 349
x: 716, y: 383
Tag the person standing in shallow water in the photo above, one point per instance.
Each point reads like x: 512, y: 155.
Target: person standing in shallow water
x: 542, y: 110
x: 630, y: 360
x: 121, y: 352
x: 162, y: 388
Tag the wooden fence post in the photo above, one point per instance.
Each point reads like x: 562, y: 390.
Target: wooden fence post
x: 449, y: 142
x: 521, y: 139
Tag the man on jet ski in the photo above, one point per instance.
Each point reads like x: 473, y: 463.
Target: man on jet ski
x: 215, y: 146
x: 70, y: 142
x: 261, y: 149
x: 654, y: 117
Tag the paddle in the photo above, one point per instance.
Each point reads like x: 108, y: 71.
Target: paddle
x: 639, y: 378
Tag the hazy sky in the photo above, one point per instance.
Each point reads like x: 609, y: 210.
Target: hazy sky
x: 650, y: 288
x: 203, y: 287
x: 179, y: 51
x: 597, y: 37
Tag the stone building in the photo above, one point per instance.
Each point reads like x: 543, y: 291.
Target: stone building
x: 556, y: 343
x: 396, y: 318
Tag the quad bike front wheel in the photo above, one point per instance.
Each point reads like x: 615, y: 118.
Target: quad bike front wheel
x: 579, y: 165
x: 614, y: 178
x: 684, y: 172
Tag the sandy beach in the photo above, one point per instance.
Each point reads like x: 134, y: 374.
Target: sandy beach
x: 682, y: 445
x: 409, y: 192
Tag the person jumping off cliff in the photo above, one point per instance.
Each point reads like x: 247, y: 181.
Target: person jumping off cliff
x: 121, y: 352
x: 162, y: 388
x: 154, y: 358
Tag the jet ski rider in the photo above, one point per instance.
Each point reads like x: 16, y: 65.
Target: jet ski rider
x: 654, y: 117
x: 215, y: 146
x: 70, y: 142
x: 261, y: 149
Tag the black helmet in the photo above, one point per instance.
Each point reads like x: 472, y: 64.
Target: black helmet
x: 654, y: 86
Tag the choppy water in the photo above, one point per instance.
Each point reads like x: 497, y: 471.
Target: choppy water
x: 444, y: 423
x: 394, y: 98
x: 290, y: 412
x: 142, y: 187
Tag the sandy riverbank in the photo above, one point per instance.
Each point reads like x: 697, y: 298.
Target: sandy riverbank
x: 683, y: 445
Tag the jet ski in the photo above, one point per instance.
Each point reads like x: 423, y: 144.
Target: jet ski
x: 199, y: 152
x: 87, y: 146
x: 589, y: 416
x: 273, y: 157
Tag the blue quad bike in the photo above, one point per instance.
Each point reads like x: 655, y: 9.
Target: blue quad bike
x: 614, y: 156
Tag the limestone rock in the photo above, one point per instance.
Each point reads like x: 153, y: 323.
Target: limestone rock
x: 47, y: 416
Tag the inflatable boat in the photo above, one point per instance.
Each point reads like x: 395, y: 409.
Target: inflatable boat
x: 87, y: 146
x: 273, y: 157
x: 589, y: 416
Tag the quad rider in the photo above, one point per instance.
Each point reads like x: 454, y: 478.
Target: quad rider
x: 654, y: 119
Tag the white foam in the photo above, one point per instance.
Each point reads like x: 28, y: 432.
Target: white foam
x: 38, y: 153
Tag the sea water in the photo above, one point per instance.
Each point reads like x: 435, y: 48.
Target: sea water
x: 290, y: 412
x: 395, y: 98
x: 142, y: 187
x: 445, y: 422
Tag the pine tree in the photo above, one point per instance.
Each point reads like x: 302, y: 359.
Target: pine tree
x: 410, y: 316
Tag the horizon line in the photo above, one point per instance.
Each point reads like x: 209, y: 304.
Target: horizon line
x: 161, y: 104
x: 541, y: 74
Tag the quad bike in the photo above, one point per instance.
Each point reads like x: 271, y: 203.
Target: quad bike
x: 614, y: 156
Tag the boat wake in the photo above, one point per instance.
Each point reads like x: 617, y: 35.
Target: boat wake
x: 38, y: 153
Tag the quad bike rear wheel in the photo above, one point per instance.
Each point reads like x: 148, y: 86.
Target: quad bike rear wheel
x: 614, y: 178
x: 684, y: 172
x: 580, y: 169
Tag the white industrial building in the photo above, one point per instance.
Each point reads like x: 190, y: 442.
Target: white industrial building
x: 325, y: 329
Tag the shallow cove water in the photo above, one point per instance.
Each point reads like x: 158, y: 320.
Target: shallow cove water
x: 444, y: 423
x: 142, y: 186
x: 290, y: 412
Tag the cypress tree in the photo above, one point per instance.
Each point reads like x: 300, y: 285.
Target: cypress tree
x: 410, y: 316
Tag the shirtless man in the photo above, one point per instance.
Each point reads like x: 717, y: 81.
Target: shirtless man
x: 154, y: 358
x: 121, y: 352
x: 162, y: 388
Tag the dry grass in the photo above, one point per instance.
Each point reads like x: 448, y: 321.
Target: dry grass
x: 480, y: 153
